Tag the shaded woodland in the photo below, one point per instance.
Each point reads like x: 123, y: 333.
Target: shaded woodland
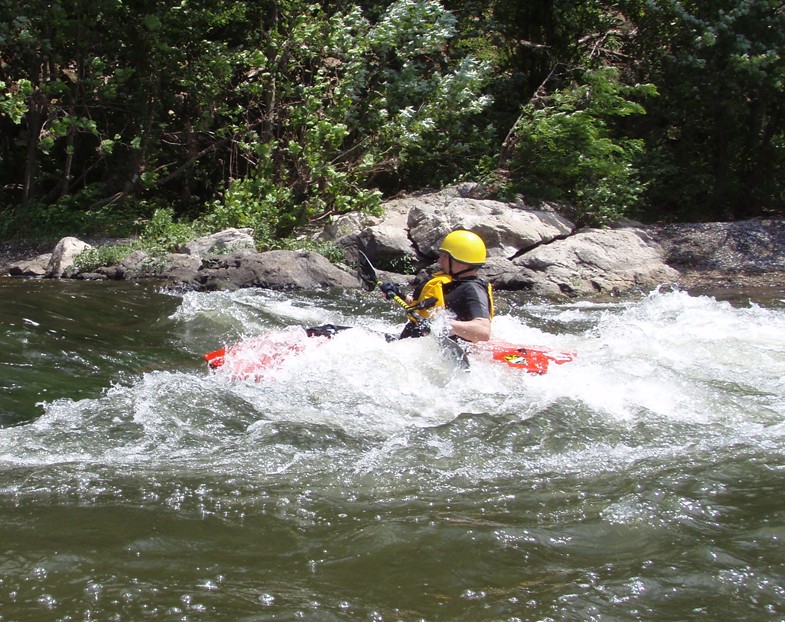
x: 277, y: 113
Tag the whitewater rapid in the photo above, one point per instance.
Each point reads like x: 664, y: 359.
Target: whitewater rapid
x: 363, y: 479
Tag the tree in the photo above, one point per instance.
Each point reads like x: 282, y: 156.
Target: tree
x: 276, y: 113
x: 105, y: 100
x: 716, y: 136
x: 338, y: 104
x: 567, y: 149
x: 271, y: 113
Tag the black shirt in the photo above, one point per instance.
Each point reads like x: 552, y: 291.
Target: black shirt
x: 467, y: 298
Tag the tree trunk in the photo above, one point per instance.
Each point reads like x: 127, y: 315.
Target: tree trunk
x: 34, y: 122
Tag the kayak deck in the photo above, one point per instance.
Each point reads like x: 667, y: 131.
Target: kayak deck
x: 253, y: 357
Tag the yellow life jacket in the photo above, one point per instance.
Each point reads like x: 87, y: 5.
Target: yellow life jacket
x: 434, y: 288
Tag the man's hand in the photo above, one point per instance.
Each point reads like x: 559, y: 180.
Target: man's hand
x: 390, y: 290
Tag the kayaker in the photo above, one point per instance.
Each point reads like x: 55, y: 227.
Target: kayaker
x: 456, y: 287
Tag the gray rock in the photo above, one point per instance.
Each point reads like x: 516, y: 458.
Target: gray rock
x: 182, y: 268
x: 273, y: 269
x: 752, y: 246
x: 507, y: 230
x: 590, y: 262
x: 537, y: 250
x: 33, y: 268
x: 138, y: 265
x: 115, y: 273
x: 63, y: 256
x: 382, y: 238
x: 531, y: 249
x: 346, y: 225
x: 222, y: 242
x: 92, y: 276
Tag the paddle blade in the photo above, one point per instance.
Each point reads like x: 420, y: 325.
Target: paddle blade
x: 453, y: 350
x: 366, y: 273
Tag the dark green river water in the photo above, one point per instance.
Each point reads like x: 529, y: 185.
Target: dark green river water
x: 365, y: 480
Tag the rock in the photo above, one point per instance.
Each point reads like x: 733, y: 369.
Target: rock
x: 529, y: 249
x: 273, y: 269
x: 413, y: 227
x: 383, y: 242
x: 35, y: 267
x: 507, y: 230
x: 92, y: 276
x: 382, y: 238
x: 220, y: 243
x: 590, y: 262
x: 346, y: 225
x: 754, y: 246
x: 115, y: 273
x: 137, y: 265
x: 63, y: 256
x: 181, y: 267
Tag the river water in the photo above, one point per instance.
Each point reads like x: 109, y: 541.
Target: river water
x: 362, y: 480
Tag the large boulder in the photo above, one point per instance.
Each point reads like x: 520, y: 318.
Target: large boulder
x: 755, y: 246
x: 33, y: 268
x: 273, y: 269
x: 64, y: 255
x: 413, y: 227
x: 381, y: 238
x: 223, y: 242
x: 344, y: 226
x: 137, y: 264
x: 181, y: 267
x: 528, y: 249
x: 594, y: 261
x: 507, y: 230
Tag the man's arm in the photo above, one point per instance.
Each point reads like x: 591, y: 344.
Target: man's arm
x: 478, y: 329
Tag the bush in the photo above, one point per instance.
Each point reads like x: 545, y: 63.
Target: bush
x: 162, y: 234
x: 568, y: 150
x: 105, y: 255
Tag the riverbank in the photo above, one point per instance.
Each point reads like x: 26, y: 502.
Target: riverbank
x: 711, y: 258
x: 745, y: 256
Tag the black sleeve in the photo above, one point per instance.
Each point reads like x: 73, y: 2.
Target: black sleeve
x: 468, y: 300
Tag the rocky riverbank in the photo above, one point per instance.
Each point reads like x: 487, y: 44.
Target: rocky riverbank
x: 743, y: 254
x: 529, y: 249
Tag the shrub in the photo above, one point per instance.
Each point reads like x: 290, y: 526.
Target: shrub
x: 568, y: 149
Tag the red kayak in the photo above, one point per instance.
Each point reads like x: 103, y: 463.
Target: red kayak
x: 256, y: 357
x: 532, y: 359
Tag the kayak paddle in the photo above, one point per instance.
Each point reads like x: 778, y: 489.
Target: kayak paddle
x: 369, y: 280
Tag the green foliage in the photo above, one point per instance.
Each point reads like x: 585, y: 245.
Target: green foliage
x: 716, y: 135
x: 271, y: 115
x: 568, y: 151
x: 75, y: 214
x: 13, y: 99
x: 401, y: 265
x: 428, y: 109
x: 251, y: 202
x: 104, y: 255
x: 351, y: 101
x: 163, y: 234
x: 160, y: 235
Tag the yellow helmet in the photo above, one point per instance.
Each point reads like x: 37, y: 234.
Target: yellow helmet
x: 464, y: 246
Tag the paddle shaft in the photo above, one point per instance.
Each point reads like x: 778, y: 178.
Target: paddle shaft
x: 369, y: 280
